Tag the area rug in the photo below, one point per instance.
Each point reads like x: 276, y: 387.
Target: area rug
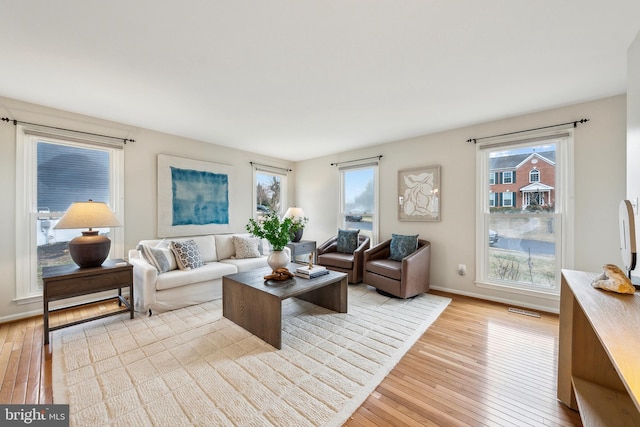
x: 194, y: 367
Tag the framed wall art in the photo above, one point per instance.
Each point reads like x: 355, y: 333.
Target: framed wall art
x: 193, y: 197
x: 419, y: 194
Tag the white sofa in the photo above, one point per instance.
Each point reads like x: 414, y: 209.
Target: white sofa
x: 158, y: 292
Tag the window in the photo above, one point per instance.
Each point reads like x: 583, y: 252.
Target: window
x: 54, y: 170
x: 492, y: 199
x: 507, y: 177
x: 359, y: 199
x: 525, y: 238
x: 492, y: 178
x: 270, y: 191
x: 534, y: 175
x: 507, y: 199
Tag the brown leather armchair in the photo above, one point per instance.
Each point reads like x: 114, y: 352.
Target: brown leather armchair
x: 403, y: 279
x: 328, y: 256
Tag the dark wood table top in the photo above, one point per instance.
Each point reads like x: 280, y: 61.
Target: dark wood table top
x: 286, y: 288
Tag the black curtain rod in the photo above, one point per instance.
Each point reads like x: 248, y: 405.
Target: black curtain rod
x: 357, y: 160
x: 575, y: 124
x: 269, y: 166
x: 16, y: 122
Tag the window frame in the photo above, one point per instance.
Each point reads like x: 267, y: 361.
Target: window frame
x: 504, y: 175
x: 564, y: 207
x: 27, y: 138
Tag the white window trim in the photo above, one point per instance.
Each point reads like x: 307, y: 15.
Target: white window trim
x: 531, y: 172
x: 26, y: 187
x: 510, y: 198
x: 510, y: 175
x: 565, y: 181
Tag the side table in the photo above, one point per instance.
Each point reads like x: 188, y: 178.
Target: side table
x: 302, y: 247
x: 68, y: 281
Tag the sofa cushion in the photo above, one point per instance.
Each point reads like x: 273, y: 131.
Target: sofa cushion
x: 187, y: 254
x: 224, y: 246
x: 246, y: 247
x: 336, y: 259
x: 246, y: 264
x: 347, y: 241
x: 206, y: 245
x: 402, y: 246
x: 208, y: 272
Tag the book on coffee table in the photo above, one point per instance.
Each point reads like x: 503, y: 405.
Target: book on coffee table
x: 310, y: 273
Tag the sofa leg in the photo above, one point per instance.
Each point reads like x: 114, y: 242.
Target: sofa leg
x: 150, y: 312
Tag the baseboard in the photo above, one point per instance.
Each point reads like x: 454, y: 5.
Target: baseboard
x: 506, y: 301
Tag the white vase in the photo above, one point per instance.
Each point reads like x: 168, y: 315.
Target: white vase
x: 278, y: 259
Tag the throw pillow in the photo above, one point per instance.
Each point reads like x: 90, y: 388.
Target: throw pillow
x: 165, y: 246
x: 246, y: 247
x: 347, y: 241
x: 155, y: 257
x: 402, y: 246
x: 187, y: 254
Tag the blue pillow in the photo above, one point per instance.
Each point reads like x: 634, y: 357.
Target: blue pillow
x: 347, y: 241
x: 403, y: 246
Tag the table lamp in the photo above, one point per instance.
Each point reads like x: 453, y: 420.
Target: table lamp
x: 297, y: 214
x: 90, y: 249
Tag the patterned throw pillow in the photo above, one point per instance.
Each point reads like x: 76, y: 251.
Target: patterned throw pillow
x: 155, y: 257
x: 402, y: 246
x: 246, y: 247
x: 347, y: 241
x: 187, y: 254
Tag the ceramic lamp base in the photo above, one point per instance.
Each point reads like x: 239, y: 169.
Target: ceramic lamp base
x: 90, y: 249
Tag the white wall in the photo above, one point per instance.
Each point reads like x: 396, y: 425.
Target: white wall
x: 633, y: 133
x: 140, y: 181
x: 599, y: 176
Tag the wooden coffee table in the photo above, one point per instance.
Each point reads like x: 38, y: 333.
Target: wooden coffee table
x: 256, y: 305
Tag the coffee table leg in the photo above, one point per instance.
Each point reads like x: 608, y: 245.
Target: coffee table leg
x: 333, y: 296
x: 258, y: 312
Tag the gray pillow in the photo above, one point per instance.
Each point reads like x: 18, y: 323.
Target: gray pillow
x: 403, y: 246
x: 246, y: 247
x: 155, y: 257
x: 347, y: 241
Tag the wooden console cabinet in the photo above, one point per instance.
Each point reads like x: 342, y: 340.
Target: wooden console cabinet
x: 599, y: 352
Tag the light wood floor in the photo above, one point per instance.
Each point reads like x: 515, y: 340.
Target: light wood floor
x: 477, y: 365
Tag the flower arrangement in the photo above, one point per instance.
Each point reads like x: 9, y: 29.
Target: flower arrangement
x: 276, y: 231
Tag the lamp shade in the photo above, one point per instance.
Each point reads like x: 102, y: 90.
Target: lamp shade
x: 295, y: 213
x: 88, y: 215
x: 90, y: 249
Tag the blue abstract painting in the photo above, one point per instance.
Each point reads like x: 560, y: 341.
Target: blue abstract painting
x: 199, y: 197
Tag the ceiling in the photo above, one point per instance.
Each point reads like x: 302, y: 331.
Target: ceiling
x: 298, y: 79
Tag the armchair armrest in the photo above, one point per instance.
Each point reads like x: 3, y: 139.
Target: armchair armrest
x: 380, y: 251
x: 416, y: 268
x: 330, y: 245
